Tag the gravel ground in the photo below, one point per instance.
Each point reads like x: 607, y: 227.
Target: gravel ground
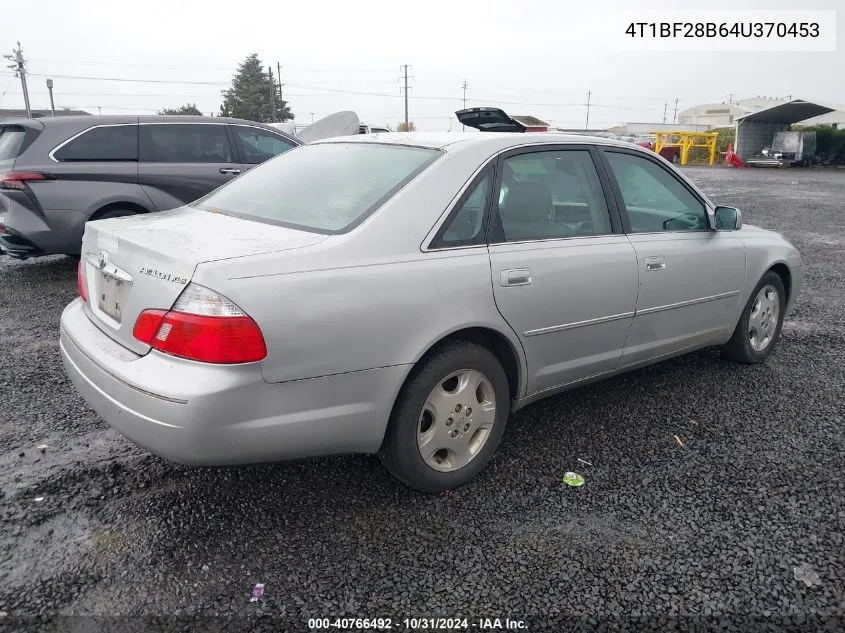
x: 742, y: 527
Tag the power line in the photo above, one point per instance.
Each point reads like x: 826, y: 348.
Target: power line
x: 328, y: 91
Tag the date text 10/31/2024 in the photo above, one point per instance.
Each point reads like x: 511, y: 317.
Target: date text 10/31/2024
x: 418, y: 624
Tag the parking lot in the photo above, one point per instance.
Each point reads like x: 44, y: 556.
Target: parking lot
x: 709, y: 485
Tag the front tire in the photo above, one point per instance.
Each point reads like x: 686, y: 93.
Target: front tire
x: 758, y: 330
x: 448, y: 419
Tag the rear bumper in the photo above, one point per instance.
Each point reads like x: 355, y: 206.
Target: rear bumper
x: 31, y: 231
x: 201, y: 414
x: 16, y: 245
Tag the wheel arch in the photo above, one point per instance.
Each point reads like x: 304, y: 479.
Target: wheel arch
x: 502, y: 347
x: 491, y: 339
x: 111, y: 206
x: 782, y: 271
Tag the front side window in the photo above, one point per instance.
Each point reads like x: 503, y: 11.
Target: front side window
x: 104, y: 143
x: 260, y: 145
x: 654, y: 198
x: 325, y: 187
x: 554, y: 194
x: 185, y: 143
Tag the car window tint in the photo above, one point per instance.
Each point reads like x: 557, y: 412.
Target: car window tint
x: 325, y: 187
x: 465, y: 227
x: 106, y: 143
x: 655, y: 199
x: 11, y: 141
x: 260, y: 145
x: 555, y: 194
x: 188, y: 143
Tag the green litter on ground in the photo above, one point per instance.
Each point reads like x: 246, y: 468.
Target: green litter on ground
x: 573, y: 479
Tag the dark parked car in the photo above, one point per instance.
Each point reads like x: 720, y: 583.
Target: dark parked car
x: 57, y: 174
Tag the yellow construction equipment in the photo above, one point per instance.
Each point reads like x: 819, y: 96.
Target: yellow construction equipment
x: 686, y: 141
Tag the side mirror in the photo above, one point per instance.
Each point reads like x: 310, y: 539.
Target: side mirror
x: 727, y: 219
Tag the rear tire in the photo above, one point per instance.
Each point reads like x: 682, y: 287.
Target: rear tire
x: 758, y: 330
x: 453, y: 409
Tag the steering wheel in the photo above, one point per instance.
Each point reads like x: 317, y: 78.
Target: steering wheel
x: 687, y: 220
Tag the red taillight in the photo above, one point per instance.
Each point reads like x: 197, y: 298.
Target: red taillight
x: 80, y: 280
x: 18, y: 179
x: 203, y: 325
x: 146, y: 327
x: 210, y: 339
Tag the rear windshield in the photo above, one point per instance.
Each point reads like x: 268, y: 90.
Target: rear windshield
x: 325, y: 188
x: 11, y: 141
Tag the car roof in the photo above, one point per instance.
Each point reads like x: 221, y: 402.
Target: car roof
x: 495, y: 140
x: 106, y: 119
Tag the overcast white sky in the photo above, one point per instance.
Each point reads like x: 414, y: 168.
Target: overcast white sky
x: 521, y: 56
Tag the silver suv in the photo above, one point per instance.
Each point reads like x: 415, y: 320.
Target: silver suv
x: 56, y: 174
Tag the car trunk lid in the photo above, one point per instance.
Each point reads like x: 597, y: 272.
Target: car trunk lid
x: 489, y: 120
x: 144, y: 262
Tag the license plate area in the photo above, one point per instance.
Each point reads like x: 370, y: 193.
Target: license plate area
x: 110, y: 296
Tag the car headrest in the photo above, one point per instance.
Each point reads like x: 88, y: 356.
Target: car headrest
x: 528, y: 201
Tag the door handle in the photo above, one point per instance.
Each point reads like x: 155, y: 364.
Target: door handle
x: 516, y: 277
x: 229, y: 170
x: 655, y: 263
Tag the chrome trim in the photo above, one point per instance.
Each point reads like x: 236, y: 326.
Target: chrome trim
x: 625, y: 315
x: 274, y: 132
x: 85, y: 131
x: 682, y: 304
x: 577, y: 324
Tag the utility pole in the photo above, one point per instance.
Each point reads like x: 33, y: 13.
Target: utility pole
x: 587, y: 124
x: 272, y: 93
x: 730, y: 98
x: 465, y: 86
x: 407, y: 124
x: 18, y: 66
x: 312, y: 117
x: 52, y: 105
x: 279, y: 77
x: 665, y: 106
x: 675, y: 117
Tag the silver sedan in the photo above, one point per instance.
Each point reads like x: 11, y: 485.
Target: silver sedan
x: 402, y: 294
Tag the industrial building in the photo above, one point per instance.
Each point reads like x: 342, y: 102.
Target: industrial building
x: 756, y: 130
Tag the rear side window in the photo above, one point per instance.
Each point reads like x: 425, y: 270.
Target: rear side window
x: 184, y: 143
x: 326, y: 187
x: 104, y: 143
x: 260, y: 145
x: 11, y: 141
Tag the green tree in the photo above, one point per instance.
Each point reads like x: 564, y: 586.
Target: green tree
x: 409, y: 127
x: 254, y: 95
x: 188, y: 108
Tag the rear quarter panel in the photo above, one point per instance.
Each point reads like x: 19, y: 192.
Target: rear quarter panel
x: 364, y: 315
x: 80, y: 189
x: 372, y: 297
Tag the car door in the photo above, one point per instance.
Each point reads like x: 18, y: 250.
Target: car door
x: 182, y: 162
x: 257, y: 145
x: 690, y: 276
x: 564, y: 276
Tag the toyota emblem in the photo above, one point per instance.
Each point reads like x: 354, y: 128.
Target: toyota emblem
x: 102, y: 259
